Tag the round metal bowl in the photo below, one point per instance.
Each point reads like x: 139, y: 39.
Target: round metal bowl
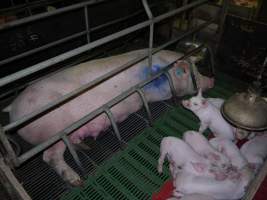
x: 246, y: 110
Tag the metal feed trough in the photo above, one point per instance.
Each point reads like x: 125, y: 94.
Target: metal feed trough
x: 84, y: 161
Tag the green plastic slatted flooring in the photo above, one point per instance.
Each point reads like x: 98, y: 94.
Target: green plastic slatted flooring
x: 132, y: 173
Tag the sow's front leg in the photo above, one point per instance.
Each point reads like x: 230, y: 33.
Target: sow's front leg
x: 54, y: 156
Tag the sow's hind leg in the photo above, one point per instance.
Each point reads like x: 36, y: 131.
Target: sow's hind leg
x: 54, y: 156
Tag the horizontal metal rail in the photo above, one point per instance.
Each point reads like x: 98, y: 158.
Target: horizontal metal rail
x: 82, y: 49
x: 71, y: 37
x: 76, y: 125
x: 48, y: 14
x: 42, y: 111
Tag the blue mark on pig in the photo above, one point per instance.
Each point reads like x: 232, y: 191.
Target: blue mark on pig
x: 156, y: 83
x: 159, y: 88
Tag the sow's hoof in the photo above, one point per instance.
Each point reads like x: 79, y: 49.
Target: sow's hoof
x: 72, y: 178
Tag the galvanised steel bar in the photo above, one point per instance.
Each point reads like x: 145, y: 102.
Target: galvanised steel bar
x: 87, y: 24
x: 143, y: 98
x: 12, y: 158
x: 48, y: 14
x: 224, y: 11
x: 73, y: 153
x: 76, y: 35
x: 113, y: 122
x: 22, y: 158
x: 46, y: 46
x: 82, y: 49
x: 151, y: 32
x: 8, y: 180
x: 23, y: 121
x: 167, y: 74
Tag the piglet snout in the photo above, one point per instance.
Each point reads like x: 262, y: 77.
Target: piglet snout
x: 186, y: 103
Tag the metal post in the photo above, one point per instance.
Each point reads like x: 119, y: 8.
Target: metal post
x: 73, y: 153
x: 10, y: 152
x: 11, y: 183
x: 167, y: 74
x: 87, y: 23
x: 151, y: 31
x: 149, y: 115
x: 113, y: 123
x: 221, y: 26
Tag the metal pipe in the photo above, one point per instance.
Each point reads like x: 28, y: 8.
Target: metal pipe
x: 224, y: 10
x: 73, y: 154
x: 22, y: 158
x: 84, y: 88
x: 113, y: 123
x: 82, y: 49
x: 151, y: 32
x: 12, y: 158
x: 87, y: 23
x: 51, y: 44
x: 48, y: 14
x: 76, y: 35
x: 143, y: 98
x: 167, y: 74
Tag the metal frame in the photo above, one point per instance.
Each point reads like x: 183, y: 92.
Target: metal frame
x: 11, y: 157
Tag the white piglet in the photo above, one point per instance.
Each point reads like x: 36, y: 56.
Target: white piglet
x: 202, y: 146
x: 193, y: 197
x: 255, y: 151
x: 229, y: 149
x: 209, y: 116
x: 187, y: 183
x: 182, y: 157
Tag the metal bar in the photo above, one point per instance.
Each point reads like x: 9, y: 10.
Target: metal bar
x: 65, y: 98
x: 27, y: 53
x: 87, y: 23
x: 149, y: 115
x: 151, y: 31
x: 79, y: 50
x: 113, y: 123
x: 73, y: 153
x: 11, y: 182
x: 221, y: 26
x: 10, y: 152
x: 48, y: 14
x: 22, y: 158
x: 167, y: 74
x: 255, y: 184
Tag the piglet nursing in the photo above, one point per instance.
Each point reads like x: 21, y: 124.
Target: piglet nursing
x: 202, y: 146
x: 255, y: 151
x: 209, y: 116
x: 57, y: 85
x: 182, y: 157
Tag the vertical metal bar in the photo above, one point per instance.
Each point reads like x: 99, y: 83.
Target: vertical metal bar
x: 151, y: 31
x: 11, y: 183
x: 87, y: 23
x: 149, y: 116
x: 167, y: 74
x: 113, y: 123
x: 73, y: 153
x: 221, y: 26
x: 10, y: 152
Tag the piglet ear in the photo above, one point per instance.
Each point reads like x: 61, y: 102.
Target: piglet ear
x: 199, y: 167
x: 199, y: 94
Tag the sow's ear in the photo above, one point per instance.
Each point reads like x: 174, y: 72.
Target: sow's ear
x: 199, y: 167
